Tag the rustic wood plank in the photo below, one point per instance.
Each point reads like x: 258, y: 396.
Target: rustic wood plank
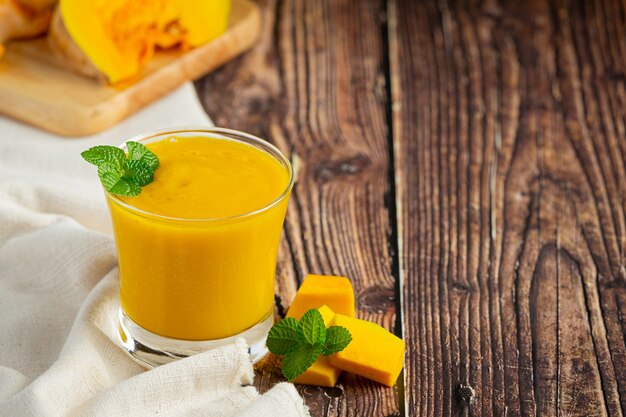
x: 509, y: 148
x: 315, y: 86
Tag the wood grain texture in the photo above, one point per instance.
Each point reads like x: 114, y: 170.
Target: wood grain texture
x: 509, y: 152
x: 315, y: 86
x: 493, y: 161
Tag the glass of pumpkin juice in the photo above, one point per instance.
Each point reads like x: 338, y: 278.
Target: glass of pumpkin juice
x: 197, y: 248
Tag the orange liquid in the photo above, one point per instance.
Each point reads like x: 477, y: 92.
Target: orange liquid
x: 200, y: 279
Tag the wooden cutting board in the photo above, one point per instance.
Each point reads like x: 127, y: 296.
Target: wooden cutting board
x: 36, y: 89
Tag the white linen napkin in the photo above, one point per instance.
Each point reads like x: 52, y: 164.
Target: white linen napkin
x: 59, y: 354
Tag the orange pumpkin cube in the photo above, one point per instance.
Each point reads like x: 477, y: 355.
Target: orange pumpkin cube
x: 373, y: 353
x: 319, y: 290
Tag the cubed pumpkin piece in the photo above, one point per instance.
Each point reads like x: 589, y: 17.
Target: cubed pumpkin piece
x: 318, y: 290
x: 373, y: 353
x: 321, y: 373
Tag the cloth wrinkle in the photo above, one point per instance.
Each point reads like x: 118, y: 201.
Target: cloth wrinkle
x: 59, y: 349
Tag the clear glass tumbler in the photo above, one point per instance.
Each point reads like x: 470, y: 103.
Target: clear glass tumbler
x: 188, y: 285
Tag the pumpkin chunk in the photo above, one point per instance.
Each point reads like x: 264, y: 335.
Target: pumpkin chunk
x: 119, y: 36
x: 319, y: 290
x: 373, y: 353
x: 321, y: 373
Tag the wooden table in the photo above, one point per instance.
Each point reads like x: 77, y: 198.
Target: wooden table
x: 464, y: 165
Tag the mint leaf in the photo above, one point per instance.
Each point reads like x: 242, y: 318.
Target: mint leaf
x: 313, y: 327
x: 284, y: 336
x: 121, y: 175
x: 109, y: 174
x: 337, y: 339
x: 139, y: 152
x: 138, y: 171
x: 99, y: 155
x: 126, y: 187
x: 112, y: 180
x: 299, y: 360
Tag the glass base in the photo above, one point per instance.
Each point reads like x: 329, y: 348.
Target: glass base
x: 150, y: 349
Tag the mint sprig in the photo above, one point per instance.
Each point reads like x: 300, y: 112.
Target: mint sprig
x: 123, y: 174
x: 302, y: 341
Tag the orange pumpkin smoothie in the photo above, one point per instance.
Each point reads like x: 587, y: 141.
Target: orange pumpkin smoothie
x: 197, y: 248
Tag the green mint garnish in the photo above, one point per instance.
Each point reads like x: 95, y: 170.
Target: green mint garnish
x: 123, y: 174
x: 337, y: 339
x: 138, y: 152
x: 300, y: 359
x: 302, y: 341
x: 283, y: 335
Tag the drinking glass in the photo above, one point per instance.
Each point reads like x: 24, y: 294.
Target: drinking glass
x: 188, y: 285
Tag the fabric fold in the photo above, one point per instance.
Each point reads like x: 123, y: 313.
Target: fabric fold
x: 59, y: 354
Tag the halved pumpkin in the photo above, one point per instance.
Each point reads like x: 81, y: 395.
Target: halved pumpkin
x: 119, y: 36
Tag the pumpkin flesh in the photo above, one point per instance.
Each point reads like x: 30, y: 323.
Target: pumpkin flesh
x: 119, y: 36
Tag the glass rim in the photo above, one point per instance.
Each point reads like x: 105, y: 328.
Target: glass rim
x: 231, y: 134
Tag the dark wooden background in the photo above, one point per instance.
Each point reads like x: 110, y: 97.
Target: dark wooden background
x: 463, y: 163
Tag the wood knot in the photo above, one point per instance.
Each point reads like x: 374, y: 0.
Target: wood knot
x: 328, y: 170
x: 461, y: 287
x: 256, y: 105
x: 464, y: 394
x: 333, y: 392
x: 376, y: 299
x: 309, y: 391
